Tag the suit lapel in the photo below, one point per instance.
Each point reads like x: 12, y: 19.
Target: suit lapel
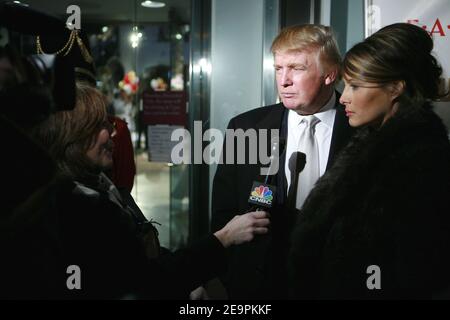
x: 273, y: 118
x: 277, y: 119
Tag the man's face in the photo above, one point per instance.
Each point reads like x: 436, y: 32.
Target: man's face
x: 300, y: 81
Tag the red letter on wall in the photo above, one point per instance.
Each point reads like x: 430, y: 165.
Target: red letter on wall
x: 437, y: 25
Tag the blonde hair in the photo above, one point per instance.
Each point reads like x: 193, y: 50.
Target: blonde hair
x: 68, y: 135
x: 309, y: 37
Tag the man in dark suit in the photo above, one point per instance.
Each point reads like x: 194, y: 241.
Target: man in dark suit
x: 311, y: 121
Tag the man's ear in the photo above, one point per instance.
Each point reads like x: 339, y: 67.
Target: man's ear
x: 330, y: 76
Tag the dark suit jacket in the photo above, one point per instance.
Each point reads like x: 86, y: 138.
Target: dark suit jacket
x: 252, y: 273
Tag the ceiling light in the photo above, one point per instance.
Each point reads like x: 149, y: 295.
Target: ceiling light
x: 153, y: 4
x: 135, y: 37
x: 20, y: 3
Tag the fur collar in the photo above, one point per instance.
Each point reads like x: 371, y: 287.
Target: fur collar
x: 407, y: 129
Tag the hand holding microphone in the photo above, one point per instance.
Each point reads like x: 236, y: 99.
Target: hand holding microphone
x: 243, y: 228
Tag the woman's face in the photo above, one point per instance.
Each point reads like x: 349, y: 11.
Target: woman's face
x: 100, y: 153
x: 367, y: 103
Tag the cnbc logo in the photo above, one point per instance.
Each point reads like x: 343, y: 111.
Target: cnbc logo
x: 262, y: 195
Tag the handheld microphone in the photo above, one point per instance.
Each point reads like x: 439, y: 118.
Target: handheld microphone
x: 296, y: 164
x: 263, y: 194
x: 277, y: 148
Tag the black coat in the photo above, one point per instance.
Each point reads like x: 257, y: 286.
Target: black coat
x: 257, y: 269
x: 385, y: 202
x: 70, y: 225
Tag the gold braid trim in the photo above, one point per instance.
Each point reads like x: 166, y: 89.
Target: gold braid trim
x: 84, y: 51
x: 68, y: 46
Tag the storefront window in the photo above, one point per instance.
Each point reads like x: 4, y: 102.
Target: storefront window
x: 141, y: 58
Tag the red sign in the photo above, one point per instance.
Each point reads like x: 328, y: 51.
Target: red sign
x: 164, y: 107
x: 437, y: 27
